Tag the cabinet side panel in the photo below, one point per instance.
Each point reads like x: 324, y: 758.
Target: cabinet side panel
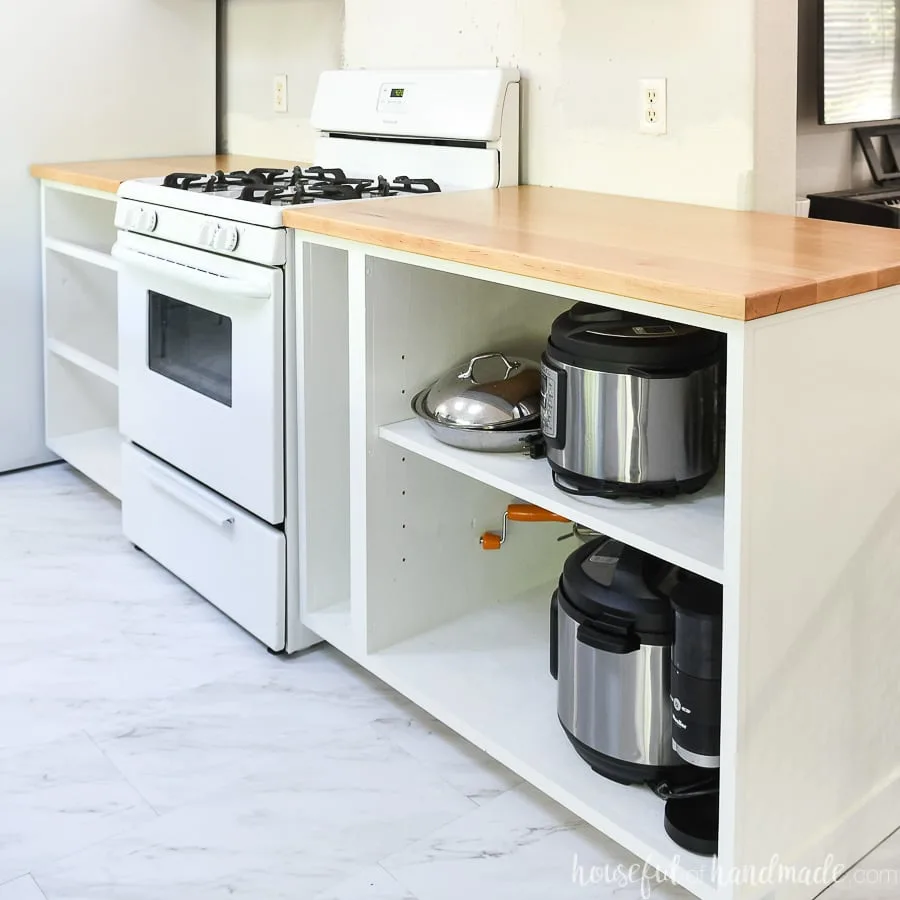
x: 324, y: 425
x: 817, y: 737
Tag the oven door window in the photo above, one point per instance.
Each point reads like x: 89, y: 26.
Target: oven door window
x: 191, y: 346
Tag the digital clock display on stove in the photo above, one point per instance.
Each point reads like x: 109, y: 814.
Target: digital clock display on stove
x: 397, y: 93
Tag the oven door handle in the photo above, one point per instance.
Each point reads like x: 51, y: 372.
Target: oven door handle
x: 232, y: 287
x: 208, y: 510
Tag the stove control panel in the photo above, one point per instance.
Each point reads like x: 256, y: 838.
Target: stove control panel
x: 220, y: 237
x: 201, y: 232
x: 394, y: 98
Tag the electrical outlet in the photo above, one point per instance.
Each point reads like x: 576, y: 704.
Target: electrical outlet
x: 279, y: 94
x: 653, y: 106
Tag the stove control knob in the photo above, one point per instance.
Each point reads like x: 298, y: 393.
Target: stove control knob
x: 208, y: 234
x: 148, y: 220
x: 226, y: 239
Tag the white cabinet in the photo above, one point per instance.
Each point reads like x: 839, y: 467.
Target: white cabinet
x: 81, y: 330
x: 91, y: 80
x: 800, y: 527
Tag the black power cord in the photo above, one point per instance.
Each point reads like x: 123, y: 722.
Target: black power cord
x: 702, y: 787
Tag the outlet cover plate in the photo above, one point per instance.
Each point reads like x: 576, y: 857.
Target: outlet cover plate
x: 279, y: 94
x: 653, y: 106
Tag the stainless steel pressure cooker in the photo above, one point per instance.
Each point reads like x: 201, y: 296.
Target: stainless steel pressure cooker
x: 611, y: 634
x: 629, y: 404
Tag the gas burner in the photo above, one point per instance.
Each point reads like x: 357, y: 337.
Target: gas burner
x: 381, y: 187
x: 222, y: 182
x: 326, y: 190
x: 267, y: 176
x: 185, y: 181
x: 408, y: 185
x: 276, y: 196
x: 290, y: 179
x: 333, y: 176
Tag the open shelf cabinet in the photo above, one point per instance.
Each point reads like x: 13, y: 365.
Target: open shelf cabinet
x: 465, y: 633
x: 81, y: 331
x: 79, y: 222
x: 461, y: 631
x: 82, y: 421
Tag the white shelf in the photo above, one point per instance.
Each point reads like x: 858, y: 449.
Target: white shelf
x: 96, y: 453
x: 83, y: 360
x: 688, y: 531
x: 86, y: 254
x: 487, y: 676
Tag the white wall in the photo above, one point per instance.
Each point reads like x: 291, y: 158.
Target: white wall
x: 299, y: 38
x: 582, y: 60
x: 775, y: 123
x: 828, y: 159
x: 88, y: 80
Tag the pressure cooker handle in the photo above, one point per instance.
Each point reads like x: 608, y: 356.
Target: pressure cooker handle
x: 554, y: 635
x: 593, y: 637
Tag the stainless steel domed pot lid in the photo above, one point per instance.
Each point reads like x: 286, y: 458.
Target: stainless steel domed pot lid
x: 491, y: 390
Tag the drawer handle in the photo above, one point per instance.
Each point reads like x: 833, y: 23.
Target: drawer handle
x: 200, y: 505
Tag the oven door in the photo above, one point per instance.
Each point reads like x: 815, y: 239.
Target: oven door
x: 201, y: 367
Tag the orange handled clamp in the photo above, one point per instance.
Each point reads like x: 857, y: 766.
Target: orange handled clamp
x: 518, y: 512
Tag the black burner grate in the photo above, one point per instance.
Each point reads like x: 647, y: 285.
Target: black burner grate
x: 291, y: 187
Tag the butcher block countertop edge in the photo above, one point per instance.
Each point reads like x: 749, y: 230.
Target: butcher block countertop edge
x: 732, y: 264
x: 108, y: 175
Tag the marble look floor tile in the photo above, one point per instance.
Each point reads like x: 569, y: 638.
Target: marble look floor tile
x: 459, y: 763
x: 278, y: 778
x: 877, y: 877
x: 58, y: 798
x: 371, y: 884
x: 339, y: 811
x: 99, y: 682
x: 90, y: 628
x: 23, y: 888
x: 253, y: 727
x: 521, y: 846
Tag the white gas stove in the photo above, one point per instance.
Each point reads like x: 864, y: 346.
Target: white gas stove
x: 380, y: 134
x: 207, y: 337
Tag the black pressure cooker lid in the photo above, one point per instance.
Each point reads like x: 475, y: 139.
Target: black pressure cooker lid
x: 596, y: 337
x: 615, y: 585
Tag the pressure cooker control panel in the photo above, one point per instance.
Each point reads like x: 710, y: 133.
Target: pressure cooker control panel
x: 549, y: 400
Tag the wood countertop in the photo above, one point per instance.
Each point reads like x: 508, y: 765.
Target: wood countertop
x: 738, y: 265
x: 107, y: 175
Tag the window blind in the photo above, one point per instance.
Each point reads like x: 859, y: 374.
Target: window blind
x: 860, y: 60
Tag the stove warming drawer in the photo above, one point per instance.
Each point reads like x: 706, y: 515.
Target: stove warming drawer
x: 230, y: 557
